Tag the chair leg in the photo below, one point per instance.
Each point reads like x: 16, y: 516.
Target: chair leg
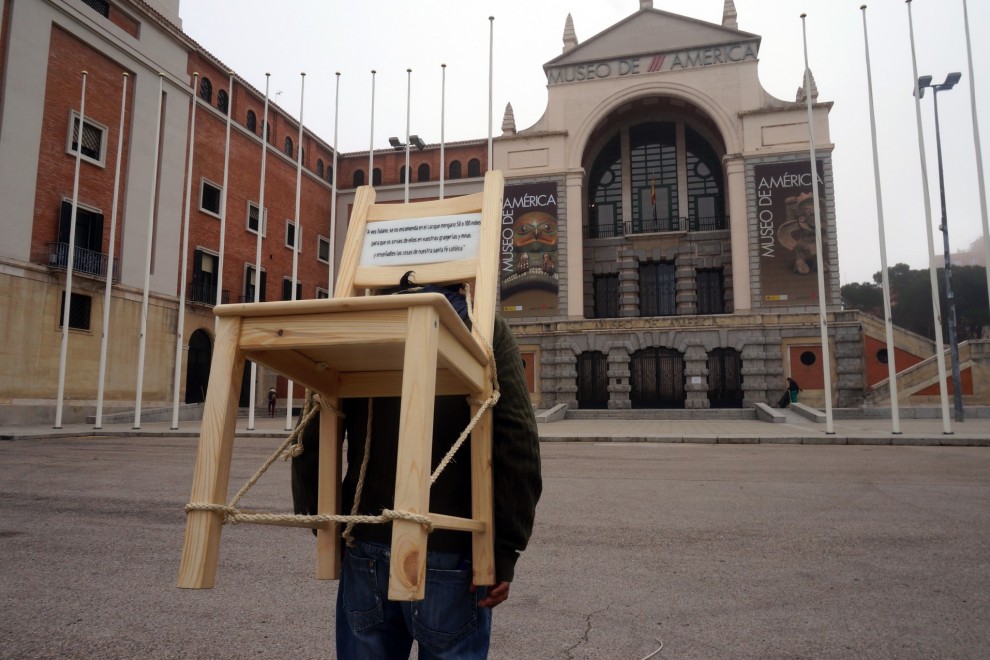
x: 328, y: 498
x: 201, y: 546
x: 482, y: 543
x: 407, y: 578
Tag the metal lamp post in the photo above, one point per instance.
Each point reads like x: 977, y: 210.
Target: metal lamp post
x: 950, y: 82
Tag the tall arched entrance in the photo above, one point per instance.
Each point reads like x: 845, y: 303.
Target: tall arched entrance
x: 198, y: 366
x: 725, y: 378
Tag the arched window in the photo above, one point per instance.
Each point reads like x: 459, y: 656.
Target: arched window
x: 268, y: 131
x: 704, y: 183
x: 455, y: 169
x: 402, y: 174
x: 376, y: 177
x: 206, y: 90
x: 358, y: 178
x: 330, y: 176
x: 605, y: 192
x: 251, y: 122
x: 288, y: 146
x: 474, y: 167
x: 223, y: 101
x: 423, y: 173
x: 319, y: 167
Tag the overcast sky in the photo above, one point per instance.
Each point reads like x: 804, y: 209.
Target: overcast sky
x: 322, y: 37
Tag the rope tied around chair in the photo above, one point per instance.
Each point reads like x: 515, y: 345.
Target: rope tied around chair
x: 313, y: 402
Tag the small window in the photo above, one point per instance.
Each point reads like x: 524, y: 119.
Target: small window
x: 251, y: 122
x: 94, y: 139
x: 455, y: 169
x: 330, y: 176
x: 423, y: 173
x: 882, y: 356
x: 808, y: 358
x: 290, y: 235
x: 288, y: 146
x: 268, y: 131
x: 249, y: 280
x: 206, y: 90
x: 252, y: 221
x: 323, y: 249
x: 287, y: 289
x: 79, y: 311
x: 319, y: 167
x: 358, y: 178
x: 376, y: 177
x: 322, y: 293
x: 209, y: 200
x: 223, y: 101
x: 474, y: 167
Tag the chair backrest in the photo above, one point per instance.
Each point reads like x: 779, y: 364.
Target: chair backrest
x: 449, y: 241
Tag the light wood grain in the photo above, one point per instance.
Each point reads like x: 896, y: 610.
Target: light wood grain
x: 201, y: 545
x: 329, y: 497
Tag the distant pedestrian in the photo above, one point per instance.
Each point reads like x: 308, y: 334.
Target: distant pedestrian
x: 790, y: 393
x: 272, y: 396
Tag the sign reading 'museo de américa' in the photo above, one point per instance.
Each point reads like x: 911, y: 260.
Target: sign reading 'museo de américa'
x: 639, y: 64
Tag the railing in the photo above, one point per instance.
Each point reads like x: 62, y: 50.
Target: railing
x: 84, y: 261
x: 660, y: 225
x: 207, y: 294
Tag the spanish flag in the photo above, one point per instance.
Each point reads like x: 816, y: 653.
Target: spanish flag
x: 653, y: 197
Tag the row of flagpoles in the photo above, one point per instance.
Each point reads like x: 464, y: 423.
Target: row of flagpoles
x: 180, y: 330
x: 297, y: 230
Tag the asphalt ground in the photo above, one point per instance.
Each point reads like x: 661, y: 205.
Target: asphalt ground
x: 713, y: 551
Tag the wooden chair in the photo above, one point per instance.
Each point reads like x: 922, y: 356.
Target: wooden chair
x: 357, y: 345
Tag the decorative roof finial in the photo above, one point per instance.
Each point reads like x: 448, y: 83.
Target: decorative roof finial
x: 645, y: 4
x: 801, y: 97
x: 570, y: 37
x: 508, y: 121
x: 729, y: 15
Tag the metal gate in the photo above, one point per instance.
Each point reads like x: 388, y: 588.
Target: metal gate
x: 657, y: 379
x: 592, y: 380
x: 725, y: 378
x: 198, y: 367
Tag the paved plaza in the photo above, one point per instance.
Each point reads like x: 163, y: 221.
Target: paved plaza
x: 715, y: 551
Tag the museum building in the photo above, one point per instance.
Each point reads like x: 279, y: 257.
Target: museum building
x: 658, y: 238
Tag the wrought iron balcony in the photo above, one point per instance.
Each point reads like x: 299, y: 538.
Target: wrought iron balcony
x: 606, y: 230
x: 84, y: 261
x: 711, y: 223
x: 206, y: 294
x: 655, y: 225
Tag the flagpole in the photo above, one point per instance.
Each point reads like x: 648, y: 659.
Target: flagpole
x: 932, y: 271
x: 405, y: 196
x: 107, y: 291
x: 223, y: 202
x: 296, y: 233
x: 979, y: 151
x: 333, y: 192
x: 371, y: 147
x: 891, y: 349
x: 491, y: 51
x: 443, y: 96
x: 823, y: 324
x: 71, y: 249
x: 147, y: 256
x: 257, y: 254
x: 180, y: 328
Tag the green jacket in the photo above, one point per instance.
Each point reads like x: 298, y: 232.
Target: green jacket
x: 517, y: 482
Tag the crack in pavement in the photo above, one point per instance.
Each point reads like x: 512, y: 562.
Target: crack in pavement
x: 587, y: 632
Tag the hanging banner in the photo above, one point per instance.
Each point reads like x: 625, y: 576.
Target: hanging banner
x: 528, y: 267
x: 785, y: 219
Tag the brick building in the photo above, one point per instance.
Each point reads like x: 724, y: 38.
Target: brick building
x: 655, y: 251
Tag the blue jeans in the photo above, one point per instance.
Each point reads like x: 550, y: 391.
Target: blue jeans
x: 447, y: 623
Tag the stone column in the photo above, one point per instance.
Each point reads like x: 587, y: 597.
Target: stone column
x: 618, y: 379
x: 575, y: 254
x: 735, y: 170
x: 696, y: 377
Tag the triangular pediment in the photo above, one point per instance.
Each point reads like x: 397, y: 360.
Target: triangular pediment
x: 651, y: 31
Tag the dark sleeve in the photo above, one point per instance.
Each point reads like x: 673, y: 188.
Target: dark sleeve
x: 517, y: 483
x: 306, y: 470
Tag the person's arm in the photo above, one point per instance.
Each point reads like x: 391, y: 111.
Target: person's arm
x: 517, y: 481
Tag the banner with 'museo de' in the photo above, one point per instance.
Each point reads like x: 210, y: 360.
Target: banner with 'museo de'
x: 528, y: 267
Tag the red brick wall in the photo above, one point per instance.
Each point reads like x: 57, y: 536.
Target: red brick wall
x: 876, y: 370
x: 965, y: 383
x: 67, y: 58
x: 391, y: 163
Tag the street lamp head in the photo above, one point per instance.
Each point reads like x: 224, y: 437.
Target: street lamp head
x: 395, y: 142
x: 950, y: 80
x: 923, y: 82
x: 417, y: 142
